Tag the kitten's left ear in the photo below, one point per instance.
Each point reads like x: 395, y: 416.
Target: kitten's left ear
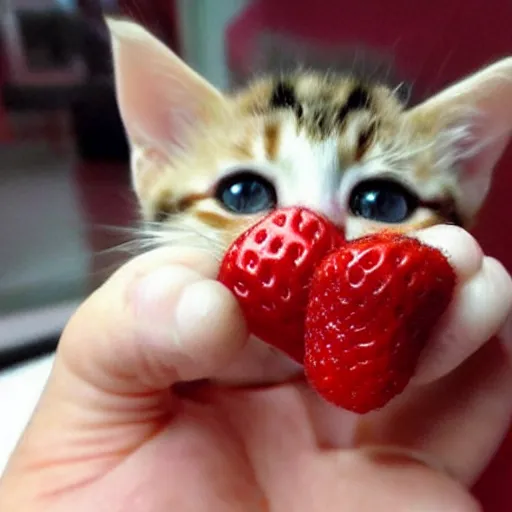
x: 474, y: 118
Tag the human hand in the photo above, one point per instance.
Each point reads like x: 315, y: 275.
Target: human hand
x: 128, y: 423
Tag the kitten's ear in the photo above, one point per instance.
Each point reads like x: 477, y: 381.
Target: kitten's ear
x: 160, y: 98
x: 475, y: 115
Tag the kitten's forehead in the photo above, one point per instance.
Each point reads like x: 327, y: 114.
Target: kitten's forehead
x: 310, y: 90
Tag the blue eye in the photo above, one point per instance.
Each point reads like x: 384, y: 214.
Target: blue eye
x: 246, y: 193
x: 382, y: 200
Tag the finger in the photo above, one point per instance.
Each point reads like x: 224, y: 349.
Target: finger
x: 401, y: 482
x: 373, y: 479
x: 481, y: 304
x: 462, y: 250
x: 163, y: 318
x: 458, y: 421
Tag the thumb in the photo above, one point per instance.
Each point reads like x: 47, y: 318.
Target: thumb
x: 160, y: 319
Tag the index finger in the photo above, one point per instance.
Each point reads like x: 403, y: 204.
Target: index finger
x: 481, y: 304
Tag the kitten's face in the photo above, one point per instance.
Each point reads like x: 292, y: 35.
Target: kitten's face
x: 212, y: 164
x: 341, y: 148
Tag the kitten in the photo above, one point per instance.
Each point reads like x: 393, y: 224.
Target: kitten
x: 207, y: 165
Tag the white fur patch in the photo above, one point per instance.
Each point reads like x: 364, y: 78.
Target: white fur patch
x: 310, y: 173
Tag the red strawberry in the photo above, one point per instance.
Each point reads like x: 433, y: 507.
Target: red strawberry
x: 373, y: 306
x: 269, y: 269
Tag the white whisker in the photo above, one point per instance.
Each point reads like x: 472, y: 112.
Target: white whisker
x: 180, y: 232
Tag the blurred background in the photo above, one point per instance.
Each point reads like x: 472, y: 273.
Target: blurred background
x: 64, y: 177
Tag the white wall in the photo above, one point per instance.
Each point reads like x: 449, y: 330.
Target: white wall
x: 44, y: 251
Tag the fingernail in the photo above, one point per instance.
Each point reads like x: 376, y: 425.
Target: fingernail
x: 198, y: 307
x: 156, y: 295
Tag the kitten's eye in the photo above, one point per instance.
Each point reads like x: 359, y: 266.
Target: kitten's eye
x: 382, y: 201
x: 246, y: 192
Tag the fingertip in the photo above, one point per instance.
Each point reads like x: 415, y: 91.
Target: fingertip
x: 462, y: 250
x: 478, y: 312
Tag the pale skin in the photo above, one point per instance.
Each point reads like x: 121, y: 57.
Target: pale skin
x: 113, y: 432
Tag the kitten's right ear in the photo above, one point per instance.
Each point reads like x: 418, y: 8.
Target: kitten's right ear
x: 475, y: 117
x: 160, y: 98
